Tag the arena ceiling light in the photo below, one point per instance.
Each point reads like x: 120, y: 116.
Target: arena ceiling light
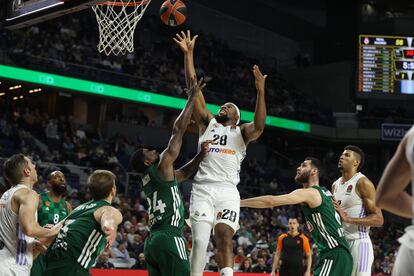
x: 135, y: 95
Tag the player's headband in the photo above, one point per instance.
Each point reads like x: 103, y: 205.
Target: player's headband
x: 237, y: 110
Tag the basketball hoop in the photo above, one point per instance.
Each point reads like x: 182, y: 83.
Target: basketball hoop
x: 117, y: 20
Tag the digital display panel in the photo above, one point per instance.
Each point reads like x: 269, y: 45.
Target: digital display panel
x: 385, y: 66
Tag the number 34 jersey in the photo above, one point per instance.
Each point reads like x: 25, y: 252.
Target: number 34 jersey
x: 166, y: 208
x: 226, y: 153
x: 50, y: 212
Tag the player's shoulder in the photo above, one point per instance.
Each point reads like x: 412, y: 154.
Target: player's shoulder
x: 25, y: 192
x: 282, y: 236
x: 303, y: 236
x: 363, y: 180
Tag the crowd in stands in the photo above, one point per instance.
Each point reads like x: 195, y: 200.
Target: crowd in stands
x: 65, y: 46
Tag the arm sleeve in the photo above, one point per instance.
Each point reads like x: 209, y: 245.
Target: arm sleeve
x: 306, y: 246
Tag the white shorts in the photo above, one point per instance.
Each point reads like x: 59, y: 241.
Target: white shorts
x: 403, y: 265
x: 215, y: 203
x: 363, y: 256
x: 8, y: 266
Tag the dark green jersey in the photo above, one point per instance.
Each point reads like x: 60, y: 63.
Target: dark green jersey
x: 164, y: 199
x: 324, y: 223
x: 50, y: 212
x: 81, y: 237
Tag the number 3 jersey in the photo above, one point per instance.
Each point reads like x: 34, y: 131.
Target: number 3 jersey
x: 50, y: 212
x: 166, y: 209
x: 226, y: 153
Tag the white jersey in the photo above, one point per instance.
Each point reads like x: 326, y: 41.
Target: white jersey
x: 409, y: 153
x: 12, y: 238
x: 223, y: 161
x: 352, y: 204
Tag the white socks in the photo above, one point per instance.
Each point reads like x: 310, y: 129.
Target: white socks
x: 227, y: 271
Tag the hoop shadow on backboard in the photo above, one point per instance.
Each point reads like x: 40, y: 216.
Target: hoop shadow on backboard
x: 23, y: 13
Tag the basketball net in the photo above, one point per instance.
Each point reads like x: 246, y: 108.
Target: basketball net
x: 117, y: 20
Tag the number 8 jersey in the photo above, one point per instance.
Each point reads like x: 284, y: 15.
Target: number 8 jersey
x: 50, y: 212
x: 226, y: 153
x: 166, y: 208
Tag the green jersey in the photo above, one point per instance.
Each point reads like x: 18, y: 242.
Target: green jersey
x: 324, y: 223
x: 50, y: 212
x: 164, y: 199
x: 81, y: 237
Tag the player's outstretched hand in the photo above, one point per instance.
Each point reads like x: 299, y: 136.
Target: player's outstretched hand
x: 184, y: 41
x: 196, y: 86
x: 259, y: 78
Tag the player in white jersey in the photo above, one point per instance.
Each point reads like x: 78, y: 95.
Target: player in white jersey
x: 354, y: 197
x: 19, y: 227
x: 215, y: 200
x: 392, y: 197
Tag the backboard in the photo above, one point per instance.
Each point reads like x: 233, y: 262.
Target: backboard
x: 23, y: 13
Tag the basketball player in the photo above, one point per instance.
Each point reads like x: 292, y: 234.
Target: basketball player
x: 87, y: 230
x: 18, y: 223
x: 392, y: 197
x: 354, y: 197
x: 215, y: 200
x: 321, y: 219
x: 291, y: 247
x: 52, y: 209
x: 165, y: 250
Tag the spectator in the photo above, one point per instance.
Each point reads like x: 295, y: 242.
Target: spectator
x: 246, y: 266
x: 261, y: 266
x: 103, y: 261
x: 140, y: 264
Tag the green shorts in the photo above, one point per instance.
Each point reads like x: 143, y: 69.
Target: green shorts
x: 336, y: 262
x: 65, y: 266
x: 166, y: 254
x: 39, y: 266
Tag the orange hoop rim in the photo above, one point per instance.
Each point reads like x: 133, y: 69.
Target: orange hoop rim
x: 125, y: 4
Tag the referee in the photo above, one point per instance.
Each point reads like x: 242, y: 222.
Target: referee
x: 290, y: 250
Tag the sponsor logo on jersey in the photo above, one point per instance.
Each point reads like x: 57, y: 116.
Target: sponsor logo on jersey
x: 146, y: 179
x: 309, y: 225
x: 218, y: 215
x: 348, y: 190
x: 222, y: 151
x: 47, y: 203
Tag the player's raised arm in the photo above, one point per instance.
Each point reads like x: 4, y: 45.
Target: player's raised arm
x: 251, y: 131
x: 190, y: 168
x: 309, y: 196
x: 390, y: 193
x: 28, y: 201
x: 169, y: 155
x: 201, y: 114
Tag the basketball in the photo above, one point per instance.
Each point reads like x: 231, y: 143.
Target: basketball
x: 173, y: 12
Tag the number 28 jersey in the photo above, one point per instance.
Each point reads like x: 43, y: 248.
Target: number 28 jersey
x: 222, y: 163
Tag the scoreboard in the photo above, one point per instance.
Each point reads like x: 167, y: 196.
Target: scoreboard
x: 386, y: 65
